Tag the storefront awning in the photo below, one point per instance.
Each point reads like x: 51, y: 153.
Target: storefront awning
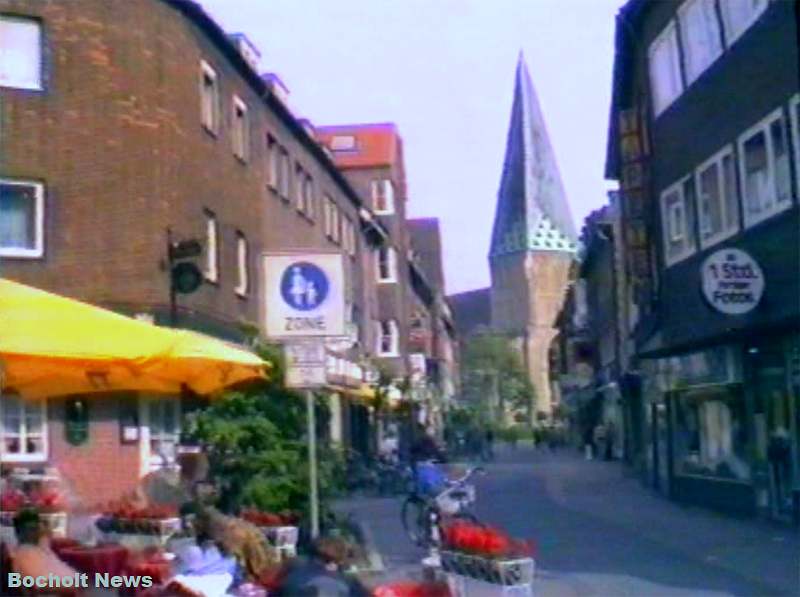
x: 363, y: 392
x: 52, y: 345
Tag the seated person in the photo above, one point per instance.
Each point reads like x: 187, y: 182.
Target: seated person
x: 33, y: 556
x: 321, y: 573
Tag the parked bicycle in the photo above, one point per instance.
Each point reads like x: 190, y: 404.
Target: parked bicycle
x: 424, y: 514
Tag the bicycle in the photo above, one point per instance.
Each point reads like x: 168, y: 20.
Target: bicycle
x: 422, y: 516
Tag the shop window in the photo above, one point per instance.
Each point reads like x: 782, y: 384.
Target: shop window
x: 21, y: 218
x: 665, y: 69
x: 677, y: 204
x: 163, y: 420
x: 739, y: 15
x: 764, y: 169
x: 717, y: 198
x: 20, y: 53
x: 711, y: 434
x: 700, y: 35
x: 24, y: 429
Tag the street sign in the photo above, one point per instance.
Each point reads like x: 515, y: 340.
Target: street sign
x: 732, y: 281
x: 304, y: 295
x: 305, y: 364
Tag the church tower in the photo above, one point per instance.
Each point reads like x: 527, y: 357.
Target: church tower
x: 534, y: 241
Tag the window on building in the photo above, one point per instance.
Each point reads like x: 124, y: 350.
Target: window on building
x: 665, y: 69
x: 242, y: 262
x: 387, y: 264
x: 677, y: 204
x: 20, y: 53
x: 327, y: 215
x: 284, y: 174
x: 738, y: 15
x: 717, y: 198
x: 764, y: 169
x: 335, y: 224
x: 794, y: 110
x: 212, y: 247
x: 701, y: 36
x: 209, y: 98
x: 383, y: 196
x: 299, y: 181
x: 711, y: 434
x: 343, y: 143
x: 272, y: 162
x: 21, y: 218
x: 241, y: 129
x: 388, y: 338
x: 163, y: 421
x: 308, y: 196
x: 350, y: 236
x: 23, y: 429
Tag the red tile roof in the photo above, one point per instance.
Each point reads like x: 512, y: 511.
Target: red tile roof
x: 375, y: 144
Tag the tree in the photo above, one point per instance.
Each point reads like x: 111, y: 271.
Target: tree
x: 493, y: 375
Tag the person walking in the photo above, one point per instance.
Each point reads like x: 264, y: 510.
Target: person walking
x: 600, y: 439
x: 489, y: 444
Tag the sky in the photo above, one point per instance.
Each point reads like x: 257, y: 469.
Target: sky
x: 443, y: 71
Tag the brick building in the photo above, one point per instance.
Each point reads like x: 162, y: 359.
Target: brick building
x: 113, y: 135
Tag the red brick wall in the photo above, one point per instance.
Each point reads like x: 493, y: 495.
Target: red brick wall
x: 101, y: 469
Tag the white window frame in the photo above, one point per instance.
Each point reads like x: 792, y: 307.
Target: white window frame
x: 335, y: 223
x: 343, y: 143
x: 299, y: 180
x: 273, y: 153
x: 211, y: 272
x: 383, y: 188
x: 694, y: 70
x: 42, y: 456
x: 308, y: 196
x: 725, y: 232
x: 284, y: 173
x: 327, y: 208
x: 206, y: 70
x: 350, y: 236
x: 240, y: 131
x: 666, y: 223
x: 669, y: 30
x: 29, y: 84
x: 242, y: 259
x: 732, y: 36
x: 763, y: 126
x: 393, y: 335
x: 391, y: 260
x: 38, y: 246
x: 794, y: 117
x: 153, y: 405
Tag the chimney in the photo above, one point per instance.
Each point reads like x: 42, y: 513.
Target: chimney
x: 247, y: 49
x: 276, y: 87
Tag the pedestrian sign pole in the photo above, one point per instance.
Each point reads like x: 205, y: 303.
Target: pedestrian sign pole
x: 304, y: 306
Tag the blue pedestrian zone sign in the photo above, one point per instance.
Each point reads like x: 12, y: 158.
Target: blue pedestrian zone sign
x: 304, y: 295
x: 304, y: 286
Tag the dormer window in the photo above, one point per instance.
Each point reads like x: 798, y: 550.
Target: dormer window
x: 343, y: 143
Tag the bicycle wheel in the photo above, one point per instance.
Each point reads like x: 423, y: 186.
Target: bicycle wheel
x: 414, y: 515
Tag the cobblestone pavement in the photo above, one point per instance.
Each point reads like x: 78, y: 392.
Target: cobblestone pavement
x: 601, y: 533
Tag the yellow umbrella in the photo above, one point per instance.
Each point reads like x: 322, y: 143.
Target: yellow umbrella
x: 51, y: 345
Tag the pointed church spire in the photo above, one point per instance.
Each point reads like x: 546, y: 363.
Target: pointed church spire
x: 532, y: 212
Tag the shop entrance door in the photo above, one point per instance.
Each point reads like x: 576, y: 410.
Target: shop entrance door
x: 773, y: 417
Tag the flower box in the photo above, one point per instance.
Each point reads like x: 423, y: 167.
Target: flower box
x: 504, y: 572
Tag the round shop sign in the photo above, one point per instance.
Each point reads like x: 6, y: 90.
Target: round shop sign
x: 304, y: 286
x: 733, y: 282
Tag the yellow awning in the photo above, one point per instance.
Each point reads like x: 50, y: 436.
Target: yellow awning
x: 51, y: 345
x: 363, y: 392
